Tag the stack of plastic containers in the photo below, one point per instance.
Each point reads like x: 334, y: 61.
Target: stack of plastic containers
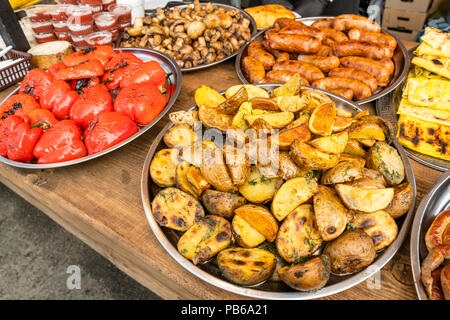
x: 41, y: 23
x: 123, y: 12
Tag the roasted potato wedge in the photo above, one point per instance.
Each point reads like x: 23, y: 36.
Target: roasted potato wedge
x: 260, y: 125
x: 316, y: 98
x: 212, y: 118
x: 348, y: 157
x: 366, y: 131
x: 222, y: 203
x: 179, y: 136
x: 187, y: 117
x: 291, y: 194
x: 334, y: 143
x: 277, y: 120
x: 370, y: 118
x: 343, y: 113
x: 196, y: 180
x: 239, y: 118
x: 260, y: 219
x: 331, y: 214
x: 350, y: 252
x: 302, y: 117
x: 342, y: 172
x: 300, y: 133
x: 208, y: 97
x: 232, y: 104
x: 246, y: 236
x: 163, y: 167
x: 214, y: 170
x: 257, y: 188
x: 309, y: 157
x: 366, y: 183
x: 246, y: 266
x: 341, y: 123
x: 265, y: 104
x: 252, y: 91
x: 307, y: 276
x: 322, y: 119
x: 367, y: 143
x: 176, y: 209
x: 205, y: 239
x: 237, y: 164
x: 379, y: 225
x: 289, y: 170
x: 292, y: 103
x: 290, y: 88
x: 298, y: 236
x: 374, y: 174
x: 365, y: 200
x: 354, y: 148
x: 402, y: 201
x: 385, y: 159
x: 181, y: 179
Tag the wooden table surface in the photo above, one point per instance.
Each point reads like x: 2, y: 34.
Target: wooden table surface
x: 99, y: 202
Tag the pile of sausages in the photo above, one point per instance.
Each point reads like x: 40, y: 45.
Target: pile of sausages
x: 347, y: 55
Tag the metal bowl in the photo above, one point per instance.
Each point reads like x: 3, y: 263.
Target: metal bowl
x: 174, y: 80
x: 400, y: 59
x: 434, y: 202
x: 271, y: 289
x: 252, y: 27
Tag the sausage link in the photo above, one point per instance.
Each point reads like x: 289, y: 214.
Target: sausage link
x: 350, y: 21
x: 279, y: 55
x: 346, y: 93
x: 334, y: 34
x: 360, y: 89
x: 362, y: 49
x: 324, y: 51
x: 380, y: 69
x: 283, y: 76
x: 284, y: 22
x: 254, y: 69
x: 256, y: 50
x: 356, y: 74
x: 305, y: 30
x: 373, y: 37
x: 293, y: 43
x: 323, y: 63
x: 306, y: 70
x: 328, y: 23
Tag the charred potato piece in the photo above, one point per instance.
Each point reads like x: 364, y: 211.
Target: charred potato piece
x: 196, y: 180
x: 343, y: 172
x: 334, y: 143
x: 214, y: 170
x: 163, y: 167
x: 403, y: 198
x: 379, y: 225
x: 385, y: 159
x: 221, y: 203
x: 208, y: 97
x: 307, y: 156
x: 331, y: 214
x: 298, y: 236
x: 205, y: 239
x: 289, y: 170
x: 348, y: 157
x: 252, y: 91
x: 257, y: 188
x: 277, y: 120
x: 354, y: 148
x: 366, y: 130
x: 232, y: 104
x: 176, y: 209
x: 300, y: 133
x: 291, y: 194
x: 365, y: 200
x: 260, y: 219
x: 212, y: 118
x: 246, y: 236
x: 246, y: 267
x: 179, y: 136
x: 307, y: 276
x: 350, y: 252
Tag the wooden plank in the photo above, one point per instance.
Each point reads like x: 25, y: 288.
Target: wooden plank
x: 99, y: 202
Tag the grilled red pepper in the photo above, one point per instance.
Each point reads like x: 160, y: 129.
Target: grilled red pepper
x: 18, y: 139
x: 102, y: 53
x: 36, y: 82
x: 62, y: 142
x: 81, y: 85
x: 54, y: 68
x: 42, y: 116
x: 59, y: 99
x: 88, y: 69
x: 19, y: 104
x: 92, y: 102
x: 108, y: 129
x: 141, y: 102
x: 150, y: 72
x: 119, y: 67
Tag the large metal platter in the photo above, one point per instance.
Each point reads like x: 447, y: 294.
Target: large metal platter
x: 434, y: 202
x: 173, y: 80
x: 400, y: 58
x: 387, y: 107
x: 253, y: 30
x: 271, y: 289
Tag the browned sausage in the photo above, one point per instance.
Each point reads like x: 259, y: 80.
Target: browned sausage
x: 279, y: 55
x: 306, y: 70
x: 362, y: 49
x: 293, y: 43
x: 303, y: 30
x: 283, y: 76
x: 346, y: 93
x: 360, y: 89
x: 373, y: 37
x: 284, y: 22
x: 254, y: 69
x: 324, y: 51
x: 256, y: 50
x: 350, y: 21
x: 334, y: 34
x: 380, y: 69
x: 323, y: 23
x: 323, y: 63
x: 356, y: 74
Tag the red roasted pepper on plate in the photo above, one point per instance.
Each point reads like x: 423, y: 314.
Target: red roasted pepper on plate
x: 141, y: 102
x: 101, y: 53
x: 18, y: 104
x: 36, y: 82
x: 107, y: 130
x: 92, y: 102
x: 54, y: 68
x: 151, y: 72
x: 121, y: 66
x: 62, y: 142
x: 88, y: 69
x: 59, y: 98
x: 42, y: 116
x: 81, y: 85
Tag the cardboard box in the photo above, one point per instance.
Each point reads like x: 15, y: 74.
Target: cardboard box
x: 410, y: 20
x: 409, y: 5
x: 404, y: 34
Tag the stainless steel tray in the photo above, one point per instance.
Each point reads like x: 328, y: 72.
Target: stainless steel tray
x: 434, y: 202
x: 174, y: 80
x: 271, y: 289
x: 400, y: 58
x: 252, y: 27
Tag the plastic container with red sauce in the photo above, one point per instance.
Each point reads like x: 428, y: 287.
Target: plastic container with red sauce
x: 95, y: 9
x: 99, y: 38
x: 59, y: 13
x: 123, y: 26
x: 40, y: 13
x: 105, y: 20
x: 107, y: 3
x: 80, y: 14
x: 42, y: 27
x: 78, y: 29
x: 115, y: 34
x: 91, y: 2
x: 122, y: 11
x: 79, y: 41
x: 44, y: 37
x: 68, y: 1
x: 60, y: 26
x: 63, y: 36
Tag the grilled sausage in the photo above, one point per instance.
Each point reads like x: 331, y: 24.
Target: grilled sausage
x: 284, y: 22
x: 293, y: 43
x: 334, y: 35
x: 256, y: 50
x: 324, y: 51
x: 356, y: 74
x: 323, y: 63
x: 362, y: 49
x: 379, y: 38
x: 328, y: 23
x: 379, y: 69
x: 306, y: 70
x: 283, y: 76
x: 279, y: 55
x: 303, y: 30
x: 346, y: 93
x: 254, y: 69
x: 360, y: 89
x: 350, y: 21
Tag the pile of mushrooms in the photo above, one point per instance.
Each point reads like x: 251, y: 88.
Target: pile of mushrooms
x: 198, y: 34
